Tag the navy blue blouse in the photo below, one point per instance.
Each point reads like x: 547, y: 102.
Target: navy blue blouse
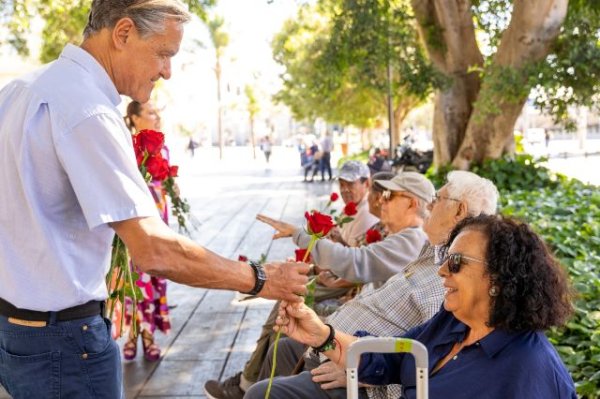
x: 501, y: 365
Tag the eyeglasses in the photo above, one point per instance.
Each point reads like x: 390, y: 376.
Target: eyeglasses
x: 455, y: 261
x: 438, y: 197
x: 388, y: 195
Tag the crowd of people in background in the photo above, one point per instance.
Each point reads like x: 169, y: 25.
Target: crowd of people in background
x: 316, y: 157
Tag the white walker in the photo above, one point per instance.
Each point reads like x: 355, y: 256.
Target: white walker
x: 387, y: 345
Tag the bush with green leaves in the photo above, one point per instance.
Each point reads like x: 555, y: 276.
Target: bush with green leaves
x: 566, y: 213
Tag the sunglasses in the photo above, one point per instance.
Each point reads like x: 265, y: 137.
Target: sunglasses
x: 456, y: 260
x: 388, y: 195
x: 438, y: 197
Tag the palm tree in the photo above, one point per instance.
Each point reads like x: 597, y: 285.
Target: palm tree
x: 253, y: 109
x: 220, y: 40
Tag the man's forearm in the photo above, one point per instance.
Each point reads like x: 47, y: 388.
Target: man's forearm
x: 188, y: 263
x: 157, y: 250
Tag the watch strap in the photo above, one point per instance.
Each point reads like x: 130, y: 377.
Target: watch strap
x: 259, y: 276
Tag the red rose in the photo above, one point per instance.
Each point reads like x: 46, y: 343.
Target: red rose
x: 372, y: 236
x: 350, y: 209
x: 334, y: 197
x: 318, y: 223
x: 139, y: 157
x: 158, y: 167
x: 173, y: 170
x: 149, y: 140
x: 300, y: 254
x: 243, y: 258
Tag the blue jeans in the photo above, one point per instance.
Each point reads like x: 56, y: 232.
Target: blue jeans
x: 66, y: 359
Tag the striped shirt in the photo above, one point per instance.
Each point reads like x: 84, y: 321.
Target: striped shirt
x: 406, y: 300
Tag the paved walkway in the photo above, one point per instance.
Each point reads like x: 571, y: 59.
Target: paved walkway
x: 213, y: 332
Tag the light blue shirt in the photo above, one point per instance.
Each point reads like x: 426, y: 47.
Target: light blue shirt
x: 67, y: 168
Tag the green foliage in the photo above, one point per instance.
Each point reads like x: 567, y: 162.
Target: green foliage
x: 308, y: 90
x: 336, y: 56
x: 521, y: 172
x: 503, y: 85
x: 366, y: 36
x: 64, y: 21
x: 253, y: 108
x: 200, y: 7
x: 218, y: 36
x: 570, y: 76
x: 567, y: 216
x: 566, y: 213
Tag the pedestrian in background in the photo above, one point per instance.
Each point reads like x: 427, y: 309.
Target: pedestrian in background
x: 326, y: 148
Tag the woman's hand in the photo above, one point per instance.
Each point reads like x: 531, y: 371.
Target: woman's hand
x: 283, y: 229
x: 301, y: 323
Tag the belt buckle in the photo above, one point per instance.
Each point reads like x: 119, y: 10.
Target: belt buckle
x: 27, y: 323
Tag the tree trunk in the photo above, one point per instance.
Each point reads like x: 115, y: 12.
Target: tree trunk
x: 400, y: 114
x: 446, y: 27
x: 534, y: 26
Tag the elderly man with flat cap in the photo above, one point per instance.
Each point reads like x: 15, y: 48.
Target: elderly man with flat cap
x: 404, y: 204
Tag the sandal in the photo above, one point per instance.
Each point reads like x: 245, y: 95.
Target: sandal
x: 130, y: 349
x: 151, y: 350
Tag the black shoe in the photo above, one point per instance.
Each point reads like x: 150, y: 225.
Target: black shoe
x: 228, y: 389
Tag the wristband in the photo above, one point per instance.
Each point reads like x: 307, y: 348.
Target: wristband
x: 260, y: 277
x: 329, y: 343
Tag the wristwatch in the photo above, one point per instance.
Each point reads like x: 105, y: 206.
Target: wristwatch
x: 259, y: 275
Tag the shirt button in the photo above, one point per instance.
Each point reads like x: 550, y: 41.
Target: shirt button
x: 84, y: 356
x: 84, y: 327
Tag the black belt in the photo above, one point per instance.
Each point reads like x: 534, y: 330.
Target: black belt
x: 90, y: 308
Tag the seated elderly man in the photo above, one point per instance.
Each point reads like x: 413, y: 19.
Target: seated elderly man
x: 354, y: 180
x: 403, y: 219
x: 406, y: 300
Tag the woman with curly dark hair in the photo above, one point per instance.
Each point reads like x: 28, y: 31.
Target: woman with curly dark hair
x: 503, y: 289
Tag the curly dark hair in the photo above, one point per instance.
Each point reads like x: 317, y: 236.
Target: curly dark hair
x: 534, y: 292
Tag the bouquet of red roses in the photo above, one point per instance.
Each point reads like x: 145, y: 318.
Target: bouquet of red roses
x: 148, y: 145
x: 121, y: 278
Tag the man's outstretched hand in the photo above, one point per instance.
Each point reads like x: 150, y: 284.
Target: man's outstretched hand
x: 283, y: 229
x: 285, y: 281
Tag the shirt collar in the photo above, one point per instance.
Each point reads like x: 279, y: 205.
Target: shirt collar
x: 90, y: 64
x: 491, y: 344
x: 495, y: 341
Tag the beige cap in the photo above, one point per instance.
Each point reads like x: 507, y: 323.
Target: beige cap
x: 412, y: 182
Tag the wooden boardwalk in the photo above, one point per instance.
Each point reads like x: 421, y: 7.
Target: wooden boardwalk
x: 213, y: 333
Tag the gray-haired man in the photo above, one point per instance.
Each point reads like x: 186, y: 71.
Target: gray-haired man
x: 68, y: 159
